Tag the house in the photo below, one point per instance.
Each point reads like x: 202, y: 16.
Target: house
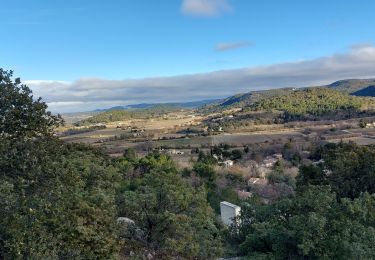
x: 229, y: 212
x: 228, y: 163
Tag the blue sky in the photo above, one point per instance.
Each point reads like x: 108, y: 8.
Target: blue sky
x: 71, y: 41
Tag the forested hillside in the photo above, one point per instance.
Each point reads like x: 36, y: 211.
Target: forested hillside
x: 242, y: 100
x: 350, y: 86
x: 357, y: 87
x: 312, y: 102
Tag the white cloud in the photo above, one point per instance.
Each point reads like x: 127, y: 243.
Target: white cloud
x: 231, y: 45
x: 205, y: 8
x: 87, y: 94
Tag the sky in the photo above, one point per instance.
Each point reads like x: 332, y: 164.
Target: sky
x: 81, y: 55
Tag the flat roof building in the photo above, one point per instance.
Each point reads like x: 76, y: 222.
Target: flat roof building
x: 229, y: 212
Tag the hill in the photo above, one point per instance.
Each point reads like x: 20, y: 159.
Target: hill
x: 243, y: 100
x: 365, y: 92
x: 356, y: 87
x: 182, y: 105
x: 312, y: 102
x: 126, y: 114
x: 351, y: 86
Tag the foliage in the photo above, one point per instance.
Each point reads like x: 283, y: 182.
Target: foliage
x: 277, y: 175
x: 311, y: 102
x: 59, y: 201
x: 56, y: 199
x: 243, y: 100
x: 313, y: 225
x: 236, y: 154
x: 20, y: 115
x: 130, y: 154
x: 205, y: 171
x: 174, y: 217
x: 332, y: 215
x: 348, y: 168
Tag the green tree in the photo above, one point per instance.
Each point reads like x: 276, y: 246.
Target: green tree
x: 174, y: 217
x: 57, y: 199
x: 313, y: 225
x: 348, y: 168
x: 20, y: 114
x: 62, y: 201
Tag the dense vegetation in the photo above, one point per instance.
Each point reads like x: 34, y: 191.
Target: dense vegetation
x: 57, y: 200
x: 332, y: 215
x: 242, y: 100
x: 312, y: 103
x: 61, y: 201
x: 20, y: 115
x: 350, y: 86
x: 172, y: 216
x: 359, y: 87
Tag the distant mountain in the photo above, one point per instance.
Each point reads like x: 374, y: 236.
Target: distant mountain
x: 182, y: 105
x: 365, y: 92
x: 355, y: 87
x: 242, y: 100
x: 351, y: 86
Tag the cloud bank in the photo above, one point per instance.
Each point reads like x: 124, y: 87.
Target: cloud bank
x: 205, y: 8
x: 91, y: 93
x: 231, y: 45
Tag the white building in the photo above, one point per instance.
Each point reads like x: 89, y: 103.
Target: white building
x: 228, y: 163
x: 229, y: 212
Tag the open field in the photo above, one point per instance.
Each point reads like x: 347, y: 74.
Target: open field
x: 167, y: 132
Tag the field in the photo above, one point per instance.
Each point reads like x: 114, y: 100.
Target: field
x: 169, y: 132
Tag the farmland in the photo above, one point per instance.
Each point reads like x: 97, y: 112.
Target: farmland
x: 170, y: 131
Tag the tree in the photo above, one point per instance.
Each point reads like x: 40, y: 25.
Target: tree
x: 205, y: 171
x: 236, y: 154
x: 56, y: 199
x: 20, y: 114
x: 62, y: 201
x: 174, y: 217
x: 130, y: 154
x: 311, y: 175
x: 348, y: 168
x: 313, y: 225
